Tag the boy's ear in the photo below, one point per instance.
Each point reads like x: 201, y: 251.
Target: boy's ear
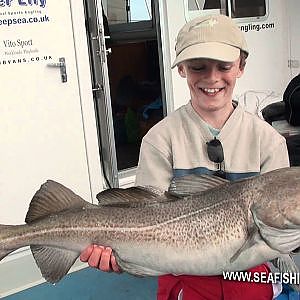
x: 181, y: 70
x: 242, y: 65
x: 240, y: 72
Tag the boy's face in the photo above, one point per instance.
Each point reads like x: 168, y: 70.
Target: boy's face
x: 211, y: 82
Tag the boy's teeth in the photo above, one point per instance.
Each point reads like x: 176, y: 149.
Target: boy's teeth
x: 211, y: 90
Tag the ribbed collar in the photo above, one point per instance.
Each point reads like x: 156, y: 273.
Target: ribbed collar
x: 225, y: 131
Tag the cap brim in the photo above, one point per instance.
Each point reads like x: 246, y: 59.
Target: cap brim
x: 211, y: 50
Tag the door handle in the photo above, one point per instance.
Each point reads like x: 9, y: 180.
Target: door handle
x: 62, y: 66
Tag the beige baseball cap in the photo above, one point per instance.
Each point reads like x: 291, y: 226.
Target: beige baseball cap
x: 211, y: 36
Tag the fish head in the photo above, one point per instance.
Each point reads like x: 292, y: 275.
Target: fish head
x: 277, y: 216
x: 288, y: 198
x: 280, y: 206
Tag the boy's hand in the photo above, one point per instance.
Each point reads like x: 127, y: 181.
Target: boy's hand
x: 100, y: 257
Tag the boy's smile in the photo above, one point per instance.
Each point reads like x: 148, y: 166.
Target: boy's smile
x: 211, y: 91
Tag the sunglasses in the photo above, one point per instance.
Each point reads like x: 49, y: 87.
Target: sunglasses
x: 216, y: 154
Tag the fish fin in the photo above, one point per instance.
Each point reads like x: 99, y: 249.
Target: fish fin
x: 284, y: 240
x: 251, y: 240
x: 286, y: 264
x: 155, y: 191
x: 136, y: 270
x: 51, y: 198
x: 296, y: 251
x: 54, y: 263
x: 193, y: 184
x: 131, y: 197
x: 4, y: 253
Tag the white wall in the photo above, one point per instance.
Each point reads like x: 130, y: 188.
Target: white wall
x: 267, y: 64
x: 34, y: 149
x: 176, y: 19
x: 266, y: 68
x: 294, y: 34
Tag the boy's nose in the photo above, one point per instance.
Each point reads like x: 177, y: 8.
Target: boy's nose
x: 212, y: 74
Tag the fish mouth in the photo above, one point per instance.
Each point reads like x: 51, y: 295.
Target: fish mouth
x: 211, y: 91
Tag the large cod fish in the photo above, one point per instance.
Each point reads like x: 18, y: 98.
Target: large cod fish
x: 202, y: 226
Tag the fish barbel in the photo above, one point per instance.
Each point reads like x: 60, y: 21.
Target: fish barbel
x: 203, y: 225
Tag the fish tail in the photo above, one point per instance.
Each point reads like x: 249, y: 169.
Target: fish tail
x: 5, y: 232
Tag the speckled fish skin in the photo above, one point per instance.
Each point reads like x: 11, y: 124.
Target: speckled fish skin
x: 196, y: 234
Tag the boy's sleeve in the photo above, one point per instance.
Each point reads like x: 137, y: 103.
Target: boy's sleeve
x: 277, y: 158
x: 154, y: 167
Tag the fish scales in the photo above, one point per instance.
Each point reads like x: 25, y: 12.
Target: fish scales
x: 228, y: 226
x: 105, y: 223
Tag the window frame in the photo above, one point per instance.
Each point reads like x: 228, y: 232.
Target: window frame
x: 225, y: 10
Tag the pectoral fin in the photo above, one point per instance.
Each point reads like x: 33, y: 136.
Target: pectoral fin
x: 251, y: 240
x: 284, y: 240
x: 54, y: 263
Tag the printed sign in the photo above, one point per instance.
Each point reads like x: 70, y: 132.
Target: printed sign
x: 24, y: 25
x: 41, y: 3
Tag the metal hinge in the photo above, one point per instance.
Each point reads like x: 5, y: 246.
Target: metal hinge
x: 98, y: 87
x: 293, y: 63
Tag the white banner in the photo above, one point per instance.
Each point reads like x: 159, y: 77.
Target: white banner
x: 30, y: 30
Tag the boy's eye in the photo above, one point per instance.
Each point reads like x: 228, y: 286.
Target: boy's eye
x: 197, y: 68
x: 226, y: 67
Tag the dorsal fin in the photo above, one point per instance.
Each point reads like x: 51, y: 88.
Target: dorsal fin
x: 132, y: 197
x: 53, y: 197
x: 193, y: 184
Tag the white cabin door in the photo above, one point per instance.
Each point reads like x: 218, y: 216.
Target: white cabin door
x: 42, y: 126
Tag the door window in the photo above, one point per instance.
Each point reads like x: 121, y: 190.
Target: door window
x: 240, y: 9
x: 136, y: 97
x: 129, y: 11
x: 136, y: 93
x: 248, y: 9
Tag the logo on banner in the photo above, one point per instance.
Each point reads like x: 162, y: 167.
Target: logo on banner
x: 23, y: 3
x: 21, y: 47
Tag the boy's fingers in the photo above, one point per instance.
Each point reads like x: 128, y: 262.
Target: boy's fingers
x: 104, y: 264
x: 85, y: 254
x: 95, y: 257
x: 114, y: 264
